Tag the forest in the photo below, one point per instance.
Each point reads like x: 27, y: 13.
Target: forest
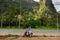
x: 25, y: 13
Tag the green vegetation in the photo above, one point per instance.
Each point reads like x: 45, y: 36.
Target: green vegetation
x: 9, y: 35
x: 37, y: 28
x: 21, y: 14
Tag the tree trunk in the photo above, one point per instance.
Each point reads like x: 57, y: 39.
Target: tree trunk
x: 1, y: 22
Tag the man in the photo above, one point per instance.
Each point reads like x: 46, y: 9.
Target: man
x: 28, y: 32
x: 29, y: 28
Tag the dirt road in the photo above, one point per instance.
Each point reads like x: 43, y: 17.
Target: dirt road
x: 36, y: 32
x: 32, y: 38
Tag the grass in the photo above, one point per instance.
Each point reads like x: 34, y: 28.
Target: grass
x: 47, y: 28
x: 12, y: 28
x: 9, y: 35
x: 38, y: 28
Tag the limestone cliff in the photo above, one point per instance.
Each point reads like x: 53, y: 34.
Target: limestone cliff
x: 47, y: 12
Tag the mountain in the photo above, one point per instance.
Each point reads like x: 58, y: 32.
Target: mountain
x: 7, y: 4
x: 58, y: 11
x: 44, y: 9
x: 27, y: 13
x: 47, y: 12
x: 28, y: 5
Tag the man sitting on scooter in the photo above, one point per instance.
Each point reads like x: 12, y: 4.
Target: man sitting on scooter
x: 28, y: 32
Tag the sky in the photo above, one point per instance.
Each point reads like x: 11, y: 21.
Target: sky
x: 55, y: 2
x: 36, y: 0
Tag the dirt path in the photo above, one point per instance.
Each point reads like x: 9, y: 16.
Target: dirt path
x: 32, y: 38
x: 38, y: 38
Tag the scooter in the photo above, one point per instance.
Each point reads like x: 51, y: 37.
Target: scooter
x: 28, y: 34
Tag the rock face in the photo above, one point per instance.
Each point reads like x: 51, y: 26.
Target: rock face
x: 28, y: 5
x: 48, y: 12
x: 48, y: 6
